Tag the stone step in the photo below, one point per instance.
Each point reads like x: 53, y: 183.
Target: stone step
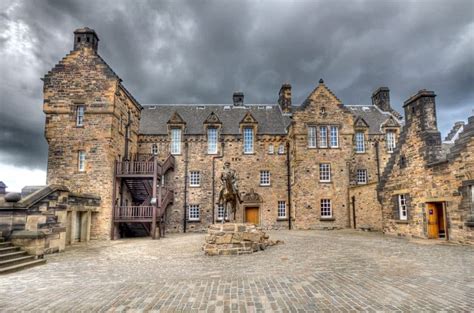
x: 21, y: 266
x: 5, y: 244
x: 12, y: 255
x: 2, y: 239
x: 18, y: 260
x: 7, y: 250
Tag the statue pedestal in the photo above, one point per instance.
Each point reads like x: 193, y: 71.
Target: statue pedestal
x: 235, y: 238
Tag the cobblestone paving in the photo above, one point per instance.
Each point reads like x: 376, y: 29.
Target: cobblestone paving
x: 313, y: 271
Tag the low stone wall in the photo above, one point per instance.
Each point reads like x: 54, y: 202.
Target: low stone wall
x: 235, y: 238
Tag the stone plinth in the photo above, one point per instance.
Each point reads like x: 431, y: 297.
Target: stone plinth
x: 235, y: 238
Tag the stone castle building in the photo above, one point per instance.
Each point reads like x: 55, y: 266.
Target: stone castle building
x: 318, y: 165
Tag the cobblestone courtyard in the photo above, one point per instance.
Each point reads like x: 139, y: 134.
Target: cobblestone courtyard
x: 312, y: 271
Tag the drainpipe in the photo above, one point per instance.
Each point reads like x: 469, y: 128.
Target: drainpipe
x: 377, y: 157
x: 214, y: 181
x: 354, y: 210
x: 185, y: 184
x: 288, y: 181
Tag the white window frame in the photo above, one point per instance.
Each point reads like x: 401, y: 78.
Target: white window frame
x: 194, y: 212
x: 282, y: 213
x: 361, y: 176
x: 391, y: 141
x: 334, y: 136
x: 323, y: 137
x: 402, y: 207
x: 248, y: 140
x: 271, y: 149
x: 265, y: 178
x: 212, y: 140
x: 359, y: 142
x: 325, y: 172
x: 281, y: 149
x: 220, y: 212
x: 326, y: 208
x: 154, y: 149
x: 81, y: 161
x: 194, y: 178
x: 80, y: 109
x: 175, y: 146
x: 312, y: 139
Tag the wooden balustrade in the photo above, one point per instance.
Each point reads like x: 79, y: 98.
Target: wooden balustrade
x: 135, y: 168
x: 133, y: 212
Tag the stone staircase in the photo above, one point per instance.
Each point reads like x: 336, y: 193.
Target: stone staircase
x: 13, y: 259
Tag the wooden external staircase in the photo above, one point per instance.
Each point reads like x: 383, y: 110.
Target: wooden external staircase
x: 142, y: 177
x: 13, y: 259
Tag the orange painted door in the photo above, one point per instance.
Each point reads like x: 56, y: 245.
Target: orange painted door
x: 251, y: 215
x: 433, y: 224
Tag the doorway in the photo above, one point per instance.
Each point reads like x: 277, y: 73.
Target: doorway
x: 436, y: 220
x: 78, y: 227
x: 252, y: 215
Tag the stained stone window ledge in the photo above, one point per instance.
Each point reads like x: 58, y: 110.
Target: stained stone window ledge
x: 327, y: 219
x: 402, y: 222
x: 282, y: 219
x: 193, y: 221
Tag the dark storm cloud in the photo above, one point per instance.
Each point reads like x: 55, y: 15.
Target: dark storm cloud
x: 201, y: 51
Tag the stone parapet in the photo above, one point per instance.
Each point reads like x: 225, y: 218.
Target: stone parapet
x: 235, y: 238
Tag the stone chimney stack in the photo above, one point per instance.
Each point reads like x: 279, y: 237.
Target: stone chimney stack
x: 85, y: 38
x: 284, y: 98
x: 238, y: 98
x: 381, y: 99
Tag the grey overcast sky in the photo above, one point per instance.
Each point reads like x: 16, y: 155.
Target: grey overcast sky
x: 201, y: 51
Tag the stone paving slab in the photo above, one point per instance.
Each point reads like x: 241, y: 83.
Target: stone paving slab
x: 324, y: 271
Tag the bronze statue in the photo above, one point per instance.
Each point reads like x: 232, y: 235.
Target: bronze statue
x: 229, y: 194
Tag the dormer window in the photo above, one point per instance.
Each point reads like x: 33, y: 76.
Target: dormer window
x: 248, y: 140
x: 212, y: 140
x: 175, y: 141
x: 391, y: 143
x: 359, y: 142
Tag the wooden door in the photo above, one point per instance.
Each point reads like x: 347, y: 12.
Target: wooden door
x: 251, y: 215
x: 433, y: 223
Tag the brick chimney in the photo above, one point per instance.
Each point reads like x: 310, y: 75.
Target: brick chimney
x: 85, y: 38
x: 284, y: 98
x: 238, y: 98
x: 381, y: 99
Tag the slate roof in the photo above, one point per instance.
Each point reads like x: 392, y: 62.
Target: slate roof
x: 373, y: 116
x: 270, y: 118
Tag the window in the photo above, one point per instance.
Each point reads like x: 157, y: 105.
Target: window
x: 194, y: 179
x: 326, y: 210
x: 390, y: 141
x: 323, y: 137
x: 193, y: 212
x: 220, y: 213
x: 361, y: 176
x: 80, y: 115
x: 402, y: 207
x: 264, y: 178
x: 271, y: 149
x: 81, y: 156
x: 360, y: 142
x: 311, y: 137
x: 281, y: 149
x: 154, y: 149
x: 248, y: 140
x: 281, y: 209
x: 325, y: 172
x: 334, y: 138
x: 175, y: 141
x: 212, y: 140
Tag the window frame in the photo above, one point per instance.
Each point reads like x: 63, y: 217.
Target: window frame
x: 359, y: 142
x: 323, y: 137
x: 212, y: 140
x: 220, y: 213
x: 271, y: 149
x: 194, y: 178
x: 332, y: 136
x: 265, y: 180
x: 402, y: 207
x: 365, y: 176
x: 325, y: 174
x: 248, y: 140
x: 154, y: 149
x: 80, y: 112
x: 391, y: 141
x: 194, y: 215
x: 312, y: 137
x: 326, y: 208
x: 176, y: 138
x: 282, y: 208
x: 281, y: 149
x: 81, y: 161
